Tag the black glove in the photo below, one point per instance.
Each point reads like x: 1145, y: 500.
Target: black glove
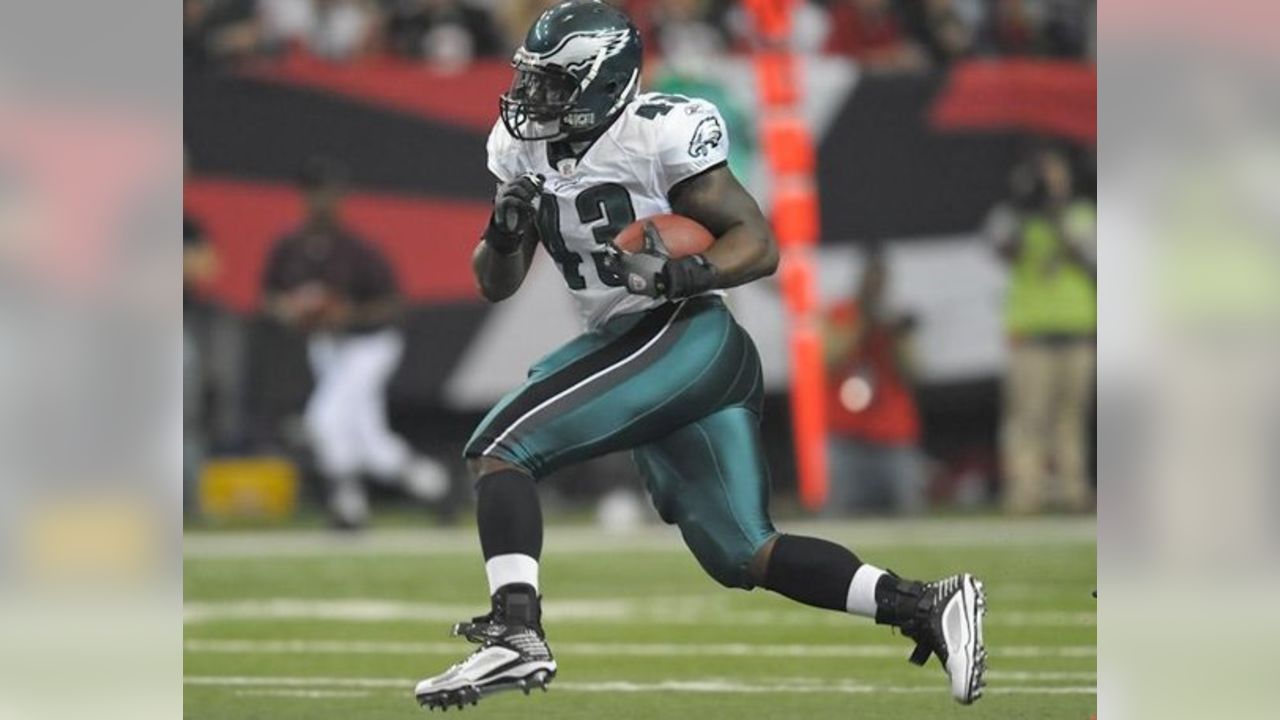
x: 514, y: 211
x: 652, y: 272
x: 690, y: 276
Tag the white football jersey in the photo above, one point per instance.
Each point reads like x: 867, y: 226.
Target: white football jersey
x: 625, y: 175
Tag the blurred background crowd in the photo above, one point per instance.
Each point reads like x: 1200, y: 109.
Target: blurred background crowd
x: 337, y: 354
x: 883, y: 35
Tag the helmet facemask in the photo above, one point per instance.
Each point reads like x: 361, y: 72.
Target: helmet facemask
x: 541, y: 96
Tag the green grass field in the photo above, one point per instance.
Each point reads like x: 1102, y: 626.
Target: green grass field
x: 303, y: 624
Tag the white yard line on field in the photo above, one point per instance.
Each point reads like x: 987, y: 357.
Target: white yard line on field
x: 687, y: 610
x: 305, y: 694
x: 861, y: 533
x: 377, y: 610
x: 738, y: 686
x: 704, y: 685
x: 295, y: 682
x: 1041, y: 618
x: 348, y: 647
x: 1041, y: 676
x: 806, y: 617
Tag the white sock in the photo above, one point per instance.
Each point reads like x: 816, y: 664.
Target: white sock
x: 862, y: 591
x: 512, y: 568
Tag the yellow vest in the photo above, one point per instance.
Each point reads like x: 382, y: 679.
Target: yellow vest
x: 1048, y: 293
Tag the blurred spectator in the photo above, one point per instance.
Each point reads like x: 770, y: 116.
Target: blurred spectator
x: 686, y: 28
x: 1066, y: 27
x: 332, y: 29
x: 875, y: 431
x: 1011, y: 29
x: 939, y: 28
x: 196, y: 50
x: 1046, y: 234
x: 199, y: 262
x: 215, y: 32
x: 198, y: 265
x: 872, y: 32
x: 342, y: 292
x: 516, y: 16
x: 213, y: 357
x: 446, y: 33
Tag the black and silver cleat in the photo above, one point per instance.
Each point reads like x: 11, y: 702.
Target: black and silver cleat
x: 944, y: 618
x: 513, y: 654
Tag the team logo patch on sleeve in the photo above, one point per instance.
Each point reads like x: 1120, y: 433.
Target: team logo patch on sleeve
x: 706, y: 136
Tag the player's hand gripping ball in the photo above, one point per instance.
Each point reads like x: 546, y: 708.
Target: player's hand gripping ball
x: 661, y: 256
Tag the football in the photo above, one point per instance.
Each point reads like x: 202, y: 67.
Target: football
x: 682, y: 236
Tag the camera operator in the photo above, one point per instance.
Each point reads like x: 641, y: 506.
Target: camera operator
x: 1046, y: 235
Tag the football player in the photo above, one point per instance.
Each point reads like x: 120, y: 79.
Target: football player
x: 663, y: 369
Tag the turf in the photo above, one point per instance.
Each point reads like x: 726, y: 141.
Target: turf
x: 302, y: 625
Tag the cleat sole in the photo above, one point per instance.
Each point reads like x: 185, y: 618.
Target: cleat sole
x: 471, y: 695
x: 978, y: 681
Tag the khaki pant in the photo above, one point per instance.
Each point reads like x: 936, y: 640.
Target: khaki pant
x: 1047, y: 394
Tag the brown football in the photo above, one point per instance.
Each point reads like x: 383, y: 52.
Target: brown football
x: 681, y: 235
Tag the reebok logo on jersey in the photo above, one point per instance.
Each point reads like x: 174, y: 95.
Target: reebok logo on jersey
x: 706, y: 136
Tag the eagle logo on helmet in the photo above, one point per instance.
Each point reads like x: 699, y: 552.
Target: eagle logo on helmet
x: 579, y: 50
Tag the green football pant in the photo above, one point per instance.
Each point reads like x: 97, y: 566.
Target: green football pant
x: 679, y: 385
